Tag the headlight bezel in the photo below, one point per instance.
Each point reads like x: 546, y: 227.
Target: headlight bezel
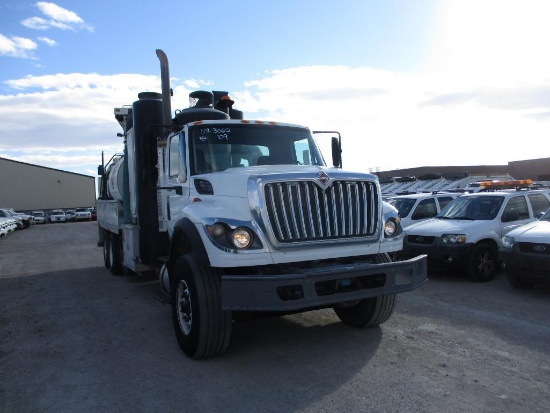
x: 226, y: 235
x: 453, y: 239
x: 391, y: 227
x: 507, y: 241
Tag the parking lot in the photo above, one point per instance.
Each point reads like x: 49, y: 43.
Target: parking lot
x: 73, y: 338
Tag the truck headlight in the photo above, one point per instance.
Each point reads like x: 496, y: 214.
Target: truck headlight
x: 390, y: 228
x: 508, y: 242
x: 242, y: 238
x: 454, y: 238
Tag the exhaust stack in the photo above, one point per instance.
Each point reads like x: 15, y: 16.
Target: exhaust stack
x: 166, y: 92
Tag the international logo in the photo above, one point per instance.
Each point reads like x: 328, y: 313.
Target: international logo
x: 323, y: 180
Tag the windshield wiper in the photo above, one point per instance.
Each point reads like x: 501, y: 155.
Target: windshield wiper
x: 465, y: 218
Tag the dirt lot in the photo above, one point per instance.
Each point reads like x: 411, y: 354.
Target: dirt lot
x: 74, y: 338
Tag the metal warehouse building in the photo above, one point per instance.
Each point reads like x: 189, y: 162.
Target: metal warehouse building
x: 27, y: 187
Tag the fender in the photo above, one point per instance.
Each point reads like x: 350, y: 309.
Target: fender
x: 186, y: 240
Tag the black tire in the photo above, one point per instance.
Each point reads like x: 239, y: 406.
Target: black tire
x: 482, y: 264
x: 369, y: 312
x: 202, y: 328
x: 519, y: 283
x: 107, y: 249
x: 116, y: 254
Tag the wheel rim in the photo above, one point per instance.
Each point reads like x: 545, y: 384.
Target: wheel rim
x: 486, y: 263
x: 185, y: 314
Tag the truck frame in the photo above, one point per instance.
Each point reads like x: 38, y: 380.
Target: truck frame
x: 243, y: 217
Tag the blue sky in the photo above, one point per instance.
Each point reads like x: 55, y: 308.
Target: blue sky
x: 408, y: 83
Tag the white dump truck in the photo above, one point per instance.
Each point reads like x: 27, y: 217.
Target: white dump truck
x: 244, y: 217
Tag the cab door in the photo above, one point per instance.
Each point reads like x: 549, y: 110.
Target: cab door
x: 176, y: 177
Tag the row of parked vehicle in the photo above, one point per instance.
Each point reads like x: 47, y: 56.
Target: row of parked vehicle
x: 480, y: 233
x: 68, y: 215
x: 11, y: 221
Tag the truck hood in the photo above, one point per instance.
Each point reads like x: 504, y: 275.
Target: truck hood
x: 536, y: 231
x: 234, y: 181
x: 436, y: 226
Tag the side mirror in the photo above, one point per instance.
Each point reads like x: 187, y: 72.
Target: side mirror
x: 336, y: 152
x: 100, y: 170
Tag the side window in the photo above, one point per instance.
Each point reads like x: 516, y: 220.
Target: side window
x: 174, y: 156
x: 539, y: 203
x: 516, y: 209
x: 444, y: 200
x: 425, y: 209
x: 303, y: 156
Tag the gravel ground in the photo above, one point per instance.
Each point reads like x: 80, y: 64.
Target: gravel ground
x: 74, y: 338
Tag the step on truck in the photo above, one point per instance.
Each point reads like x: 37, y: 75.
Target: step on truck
x: 243, y: 218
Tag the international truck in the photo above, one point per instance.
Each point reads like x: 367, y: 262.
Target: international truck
x: 242, y: 218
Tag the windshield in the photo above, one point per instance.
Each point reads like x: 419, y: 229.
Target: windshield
x: 217, y: 147
x: 403, y: 205
x: 37, y: 214
x: 58, y: 213
x: 479, y: 207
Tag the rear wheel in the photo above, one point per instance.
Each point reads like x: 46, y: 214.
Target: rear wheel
x: 202, y: 328
x: 369, y: 312
x: 482, y: 264
x: 107, y: 249
x: 116, y: 254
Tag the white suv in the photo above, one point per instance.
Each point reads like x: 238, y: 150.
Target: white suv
x: 468, y: 232
x: 58, y: 215
x: 38, y: 217
x: 414, y: 208
x: 82, y: 214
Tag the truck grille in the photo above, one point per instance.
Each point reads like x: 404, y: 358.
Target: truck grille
x: 303, y: 211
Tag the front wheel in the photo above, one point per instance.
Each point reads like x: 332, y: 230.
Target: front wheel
x: 202, y: 327
x: 369, y: 312
x: 482, y: 264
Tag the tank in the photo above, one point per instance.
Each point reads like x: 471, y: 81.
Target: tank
x: 114, y: 181
x: 201, y: 107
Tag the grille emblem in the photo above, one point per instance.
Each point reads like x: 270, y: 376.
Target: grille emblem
x: 323, y: 179
x: 539, y: 248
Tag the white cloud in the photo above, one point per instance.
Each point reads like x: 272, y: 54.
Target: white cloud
x: 17, y: 47
x: 57, y: 17
x: 66, y: 120
x: 58, y: 13
x: 387, y: 120
x: 48, y: 41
